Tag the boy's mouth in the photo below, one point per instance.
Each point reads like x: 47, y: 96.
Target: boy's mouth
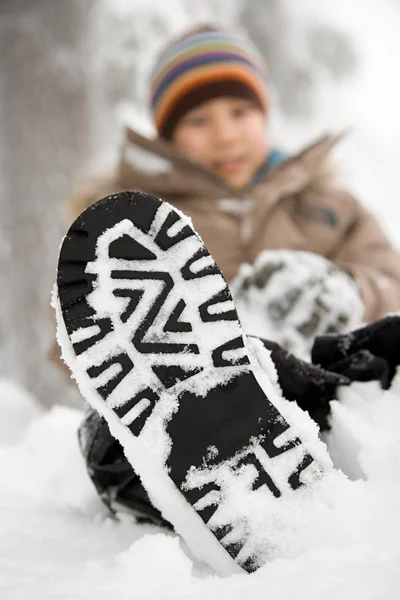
x: 228, y: 166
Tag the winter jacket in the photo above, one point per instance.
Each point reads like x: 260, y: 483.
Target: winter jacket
x: 294, y: 207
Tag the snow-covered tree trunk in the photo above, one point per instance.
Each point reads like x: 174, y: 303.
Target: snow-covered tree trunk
x: 45, y: 135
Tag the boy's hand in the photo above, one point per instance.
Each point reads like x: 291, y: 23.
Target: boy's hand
x: 369, y: 353
x: 311, y: 386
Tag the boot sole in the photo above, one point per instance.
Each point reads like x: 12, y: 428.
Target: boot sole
x: 149, y: 330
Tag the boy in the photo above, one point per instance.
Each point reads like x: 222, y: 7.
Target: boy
x: 212, y: 161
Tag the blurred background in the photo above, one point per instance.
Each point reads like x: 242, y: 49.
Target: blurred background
x: 73, y: 72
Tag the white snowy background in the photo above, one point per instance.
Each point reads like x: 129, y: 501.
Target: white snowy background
x: 71, y: 71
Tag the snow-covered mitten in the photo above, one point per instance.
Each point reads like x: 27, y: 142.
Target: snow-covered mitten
x: 149, y: 330
x: 291, y: 296
x: 369, y: 353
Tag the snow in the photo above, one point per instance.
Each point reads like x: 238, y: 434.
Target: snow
x: 19, y: 408
x: 57, y: 541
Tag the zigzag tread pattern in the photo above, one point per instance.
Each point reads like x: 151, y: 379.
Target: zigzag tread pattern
x: 139, y: 289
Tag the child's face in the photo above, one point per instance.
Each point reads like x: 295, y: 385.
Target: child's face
x: 227, y: 135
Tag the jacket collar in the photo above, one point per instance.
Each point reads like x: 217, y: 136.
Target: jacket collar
x: 299, y: 171
x: 158, y: 166
x: 161, y: 168
x: 273, y: 160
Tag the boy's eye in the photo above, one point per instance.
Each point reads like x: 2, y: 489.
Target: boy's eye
x: 239, y: 111
x: 195, y: 120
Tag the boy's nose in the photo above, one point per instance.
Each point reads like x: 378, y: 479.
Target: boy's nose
x: 224, y: 132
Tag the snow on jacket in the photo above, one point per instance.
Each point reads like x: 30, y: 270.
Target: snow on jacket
x: 294, y: 207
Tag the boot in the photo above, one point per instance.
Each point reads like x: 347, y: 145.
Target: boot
x: 147, y: 325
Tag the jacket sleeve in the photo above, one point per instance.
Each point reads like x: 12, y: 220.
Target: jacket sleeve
x: 370, y: 258
x: 88, y: 191
x: 54, y: 355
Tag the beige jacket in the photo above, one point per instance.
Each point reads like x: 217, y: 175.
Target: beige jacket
x: 295, y: 207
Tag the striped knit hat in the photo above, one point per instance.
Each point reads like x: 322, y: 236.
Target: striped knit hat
x: 203, y: 64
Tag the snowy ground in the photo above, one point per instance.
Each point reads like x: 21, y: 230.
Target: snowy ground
x: 56, y: 540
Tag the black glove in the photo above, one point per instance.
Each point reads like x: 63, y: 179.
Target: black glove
x: 312, y: 387
x: 113, y: 477
x: 366, y: 354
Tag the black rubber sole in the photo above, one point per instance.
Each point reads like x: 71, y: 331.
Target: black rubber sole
x: 152, y: 335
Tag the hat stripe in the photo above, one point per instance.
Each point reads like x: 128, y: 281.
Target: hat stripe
x: 216, y: 43
x: 206, y: 48
x: 192, y: 64
x: 213, y: 36
x: 204, y: 76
